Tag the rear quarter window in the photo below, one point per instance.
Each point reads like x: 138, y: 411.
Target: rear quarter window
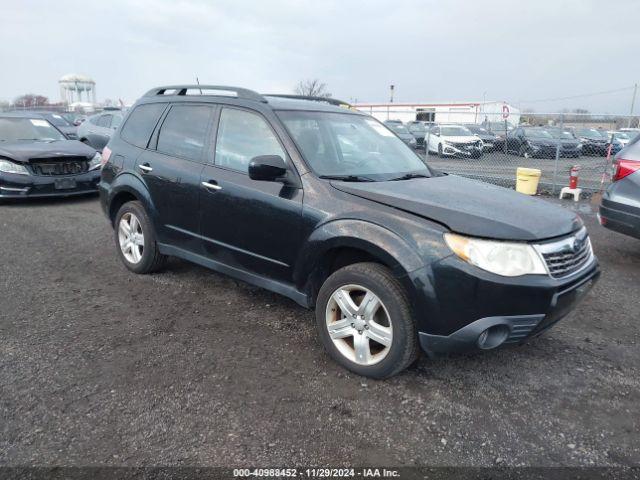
x: 140, y: 124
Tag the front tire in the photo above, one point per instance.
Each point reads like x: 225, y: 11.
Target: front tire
x: 365, y: 322
x: 135, y: 239
x: 440, y: 153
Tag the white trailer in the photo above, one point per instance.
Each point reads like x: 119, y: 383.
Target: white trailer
x: 454, y: 112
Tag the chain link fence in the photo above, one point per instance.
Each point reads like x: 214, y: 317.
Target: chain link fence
x: 491, y: 146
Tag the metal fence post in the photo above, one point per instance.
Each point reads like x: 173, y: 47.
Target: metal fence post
x: 558, y: 146
x: 426, y: 146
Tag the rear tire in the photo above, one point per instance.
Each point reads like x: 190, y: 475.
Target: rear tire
x: 524, y: 152
x: 383, y: 321
x: 135, y: 239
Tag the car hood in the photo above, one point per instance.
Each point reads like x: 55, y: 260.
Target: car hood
x: 24, y: 151
x: 470, y: 207
x: 542, y: 142
x: 487, y: 138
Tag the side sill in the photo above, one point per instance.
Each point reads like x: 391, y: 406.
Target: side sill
x: 278, y: 287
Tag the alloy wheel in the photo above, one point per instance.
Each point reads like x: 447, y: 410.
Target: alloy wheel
x: 359, y: 324
x: 131, y: 238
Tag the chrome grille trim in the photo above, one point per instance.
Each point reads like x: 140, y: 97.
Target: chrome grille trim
x: 566, y: 256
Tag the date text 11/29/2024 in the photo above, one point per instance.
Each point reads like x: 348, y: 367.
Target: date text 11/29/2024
x: 317, y: 472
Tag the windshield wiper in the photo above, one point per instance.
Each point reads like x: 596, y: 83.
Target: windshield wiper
x: 348, y: 178
x: 409, y: 176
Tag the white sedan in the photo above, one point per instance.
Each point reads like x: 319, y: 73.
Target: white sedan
x: 453, y: 141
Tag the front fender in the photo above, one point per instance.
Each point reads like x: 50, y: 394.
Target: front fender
x: 348, y: 233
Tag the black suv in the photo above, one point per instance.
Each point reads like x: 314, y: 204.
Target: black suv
x: 327, y: 206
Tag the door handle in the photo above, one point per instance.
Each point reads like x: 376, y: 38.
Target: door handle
x: 211, y: 186
x: 145, y: 168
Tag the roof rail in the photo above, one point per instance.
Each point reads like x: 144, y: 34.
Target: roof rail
x: 329, y: 100
x: 215, y: 91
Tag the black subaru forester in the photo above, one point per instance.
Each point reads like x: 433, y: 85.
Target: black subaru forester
x: 321, y: 203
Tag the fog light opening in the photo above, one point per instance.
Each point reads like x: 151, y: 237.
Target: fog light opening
x: 493, y: 337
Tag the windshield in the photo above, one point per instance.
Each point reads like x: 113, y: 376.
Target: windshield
x: 16, y: 129
x: 590, y: 133
x: 499, y: 126
x: 478, y: 130
x: 537, y: 133
x: 454, y: 131
x: 417, y: 127
x: 564, y: 134
x: 342, y: 144
x: 398, y: 128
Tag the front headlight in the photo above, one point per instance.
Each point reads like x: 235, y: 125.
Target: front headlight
x: 509, y: 259
x: 9, y: 167
x: 96, y: 162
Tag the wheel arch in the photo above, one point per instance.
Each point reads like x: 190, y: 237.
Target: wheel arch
x: 126, y: 188
x: 345, y: 242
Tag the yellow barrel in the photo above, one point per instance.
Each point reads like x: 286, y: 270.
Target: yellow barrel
x: 527, y: 180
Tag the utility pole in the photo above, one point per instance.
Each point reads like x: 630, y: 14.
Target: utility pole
x: 391, y: 88
x: 633, y: 101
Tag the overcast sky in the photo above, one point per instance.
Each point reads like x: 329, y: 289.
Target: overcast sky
x: 453, y: 50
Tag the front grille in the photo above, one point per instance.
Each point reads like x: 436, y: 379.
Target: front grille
x: 567, y: 256
x: 57, y: 167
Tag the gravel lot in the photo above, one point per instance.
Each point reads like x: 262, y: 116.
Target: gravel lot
x: 187, y: 367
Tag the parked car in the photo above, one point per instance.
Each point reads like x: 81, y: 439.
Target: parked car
x: 593, y: 143
x: 531, y: 142
x: 453, y: 141
x: 328, y: 207
x: 490, y: 141
x: 620, y: 207
x: 570, y: 146
x: 97, y: 129
x: 74, y: 118
x: 37, y: 160
x: 621, y: 137
x: 418, y: 130
x: 403, y: 133
x: 60, y: 122
x: 502, y: 130
x: 613, y: 140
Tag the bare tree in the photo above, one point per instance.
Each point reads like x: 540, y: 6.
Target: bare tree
x: 31, y: 100
x: 312, y: 88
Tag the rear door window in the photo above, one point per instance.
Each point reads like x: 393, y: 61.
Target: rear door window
x: 105, y: 121
x: 141, y: 122
x: 184, y: 131
x: 243, y: 135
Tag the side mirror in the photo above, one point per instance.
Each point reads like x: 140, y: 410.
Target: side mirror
x: 268, y: 168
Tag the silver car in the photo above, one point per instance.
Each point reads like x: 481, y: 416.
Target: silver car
x: 96, y: 130
x: 620, y: 207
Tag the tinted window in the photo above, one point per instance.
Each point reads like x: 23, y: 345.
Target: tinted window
x: 116, y: 120
x: 184, y: 131
x: 141, y: 123
x: 242, y: 136
x: 104, y: 121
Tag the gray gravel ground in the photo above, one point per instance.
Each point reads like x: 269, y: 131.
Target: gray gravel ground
x: 187, y: 367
